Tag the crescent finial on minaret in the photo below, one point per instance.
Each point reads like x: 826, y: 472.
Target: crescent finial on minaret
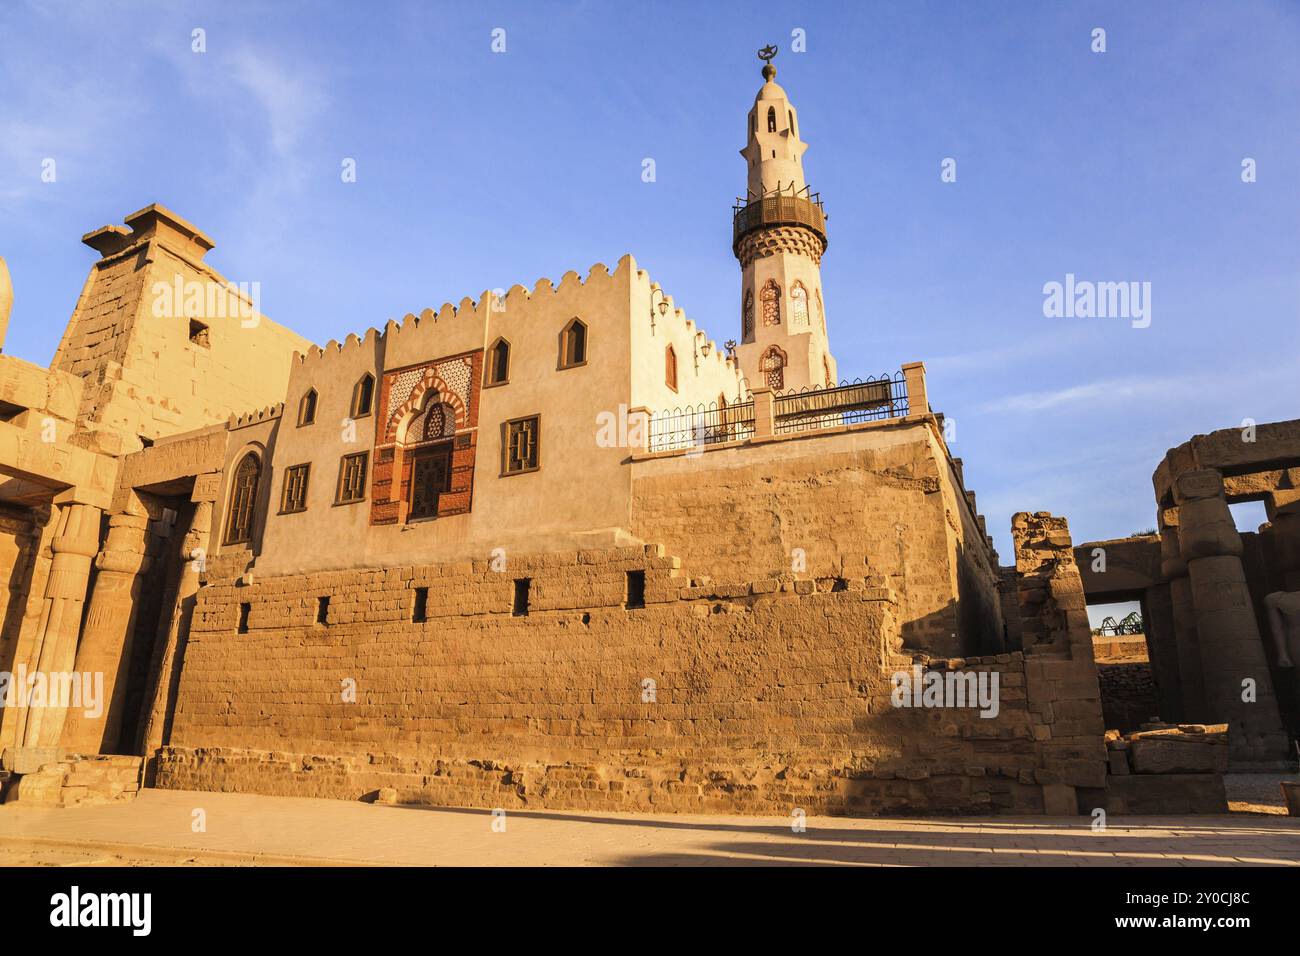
x: 766, y: 54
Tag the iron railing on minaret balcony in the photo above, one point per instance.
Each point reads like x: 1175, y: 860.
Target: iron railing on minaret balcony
x: 783, y: 206
x: 848, y: 403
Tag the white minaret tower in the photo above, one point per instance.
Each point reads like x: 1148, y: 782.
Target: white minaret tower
x: 779, y: 235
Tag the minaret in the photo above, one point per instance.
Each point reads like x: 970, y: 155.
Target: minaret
x: 779, y: 235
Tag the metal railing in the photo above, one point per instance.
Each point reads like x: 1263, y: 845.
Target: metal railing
x: 697, y: 425
x: 778, y: 208
x: 848, y: 403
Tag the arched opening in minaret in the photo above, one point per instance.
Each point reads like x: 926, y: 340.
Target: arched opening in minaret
x: 771, y: 119
x: 771, y: 300
x: 793, y: 131
x: 798, y: 304
x: 772, y: 365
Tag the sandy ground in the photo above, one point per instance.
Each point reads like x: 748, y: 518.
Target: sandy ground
x: 166, y: 827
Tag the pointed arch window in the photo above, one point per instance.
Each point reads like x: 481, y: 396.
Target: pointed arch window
x: 821, y: 313
x: 498, y: 363
x: 770, y: 298
x: 573, y: 344
x: 772, y: 365
x: 798, y: 304
x: 771, y: 119
x: 363, y: 396
x: 243, y: 498
x: 747, y: 317
x: 826, y: 367
x: 792, y: 129
x: 307, y: 408
x: 670, y: 367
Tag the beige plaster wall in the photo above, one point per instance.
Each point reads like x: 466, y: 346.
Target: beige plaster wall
x: 579, y: 496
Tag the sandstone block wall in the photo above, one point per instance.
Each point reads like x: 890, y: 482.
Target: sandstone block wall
x: 877, y: 500
x: 129, y: 338
x: 755, y: 696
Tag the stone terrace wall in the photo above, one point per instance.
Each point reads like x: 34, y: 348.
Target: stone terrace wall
x: 876, y: 500
x: 766, y: 696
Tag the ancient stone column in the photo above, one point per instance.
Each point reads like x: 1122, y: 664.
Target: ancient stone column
x: 168, y: 672
x: 107, y: 638
x: 1232, y: 653
x: 75, y: 543
x: 1187, y: 645
x: 1162, y: 648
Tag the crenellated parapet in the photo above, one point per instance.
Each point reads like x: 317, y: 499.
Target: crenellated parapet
x: 464, y: 321
x: 269, y: 413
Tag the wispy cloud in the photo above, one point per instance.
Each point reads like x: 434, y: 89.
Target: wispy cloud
x: 1098, y: 393
x: 983, y: 359
x: 1105, y: 393
x: 290, y: 99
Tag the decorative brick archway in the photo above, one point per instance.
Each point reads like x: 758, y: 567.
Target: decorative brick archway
x: 405, y: 395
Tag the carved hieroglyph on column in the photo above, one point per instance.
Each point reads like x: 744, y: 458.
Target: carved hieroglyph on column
x: 1232, y: 653
x: 75, y: 543
x: 107, y: 638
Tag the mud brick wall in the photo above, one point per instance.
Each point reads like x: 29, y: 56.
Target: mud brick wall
x: 767, y: 695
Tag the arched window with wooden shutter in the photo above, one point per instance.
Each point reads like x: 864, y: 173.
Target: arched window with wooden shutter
x: 243, y: 499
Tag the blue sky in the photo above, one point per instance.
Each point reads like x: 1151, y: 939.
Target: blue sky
x: 478, y: 170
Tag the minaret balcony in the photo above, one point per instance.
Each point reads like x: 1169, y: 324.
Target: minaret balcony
x: 778, y: 208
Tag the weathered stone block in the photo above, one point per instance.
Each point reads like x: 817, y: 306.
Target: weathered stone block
x: 1170, y: 755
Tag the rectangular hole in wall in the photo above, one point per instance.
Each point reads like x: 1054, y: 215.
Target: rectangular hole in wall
x: 243, y: 617
x: 1248, y: 516
x: 635, y: 589
x: 522, y: 588
x: 420, y: 608
x: 323, y: 609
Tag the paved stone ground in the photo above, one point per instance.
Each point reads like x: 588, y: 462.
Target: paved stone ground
x: 245, y: 829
